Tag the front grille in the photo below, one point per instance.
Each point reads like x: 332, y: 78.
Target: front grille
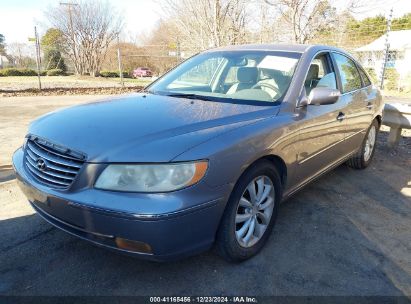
x: 51, y: 164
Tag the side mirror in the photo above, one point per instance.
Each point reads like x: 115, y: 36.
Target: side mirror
x: 323, y: 96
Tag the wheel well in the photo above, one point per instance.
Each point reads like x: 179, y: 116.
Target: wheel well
x: 279, y: 163
x: 379, y: 119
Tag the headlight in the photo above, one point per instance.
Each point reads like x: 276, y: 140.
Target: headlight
x: 151, y: 177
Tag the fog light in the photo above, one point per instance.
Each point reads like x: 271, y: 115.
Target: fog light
x: 135, y: 246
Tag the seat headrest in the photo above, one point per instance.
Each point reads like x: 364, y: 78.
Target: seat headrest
x: 313, y: 71
x: 247, y: 74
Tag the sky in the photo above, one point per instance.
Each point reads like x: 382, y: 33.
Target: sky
x: 18, y: 17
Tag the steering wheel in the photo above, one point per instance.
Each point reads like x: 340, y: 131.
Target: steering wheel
x: 268, y: 86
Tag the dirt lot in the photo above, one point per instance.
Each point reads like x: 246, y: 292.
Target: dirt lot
x: 349, y: 233
x: 27, y: 82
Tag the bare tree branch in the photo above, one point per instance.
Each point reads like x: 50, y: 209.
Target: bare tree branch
x: 208, y: 23
x: 88, y: 28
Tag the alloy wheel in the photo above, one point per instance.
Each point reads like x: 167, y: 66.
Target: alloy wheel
x: 254, y: 211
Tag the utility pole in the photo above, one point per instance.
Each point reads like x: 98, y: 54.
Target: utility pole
x: 263, y: 9
x: 386, y: 50
x: 37, y: 55
x: 119, y: 62
x: 178, y: 51
x: 69, y: 5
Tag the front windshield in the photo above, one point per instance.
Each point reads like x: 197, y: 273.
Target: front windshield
x: 231, y: 75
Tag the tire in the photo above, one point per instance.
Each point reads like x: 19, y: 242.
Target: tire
x: 229, y: 243
x: 362, y: 158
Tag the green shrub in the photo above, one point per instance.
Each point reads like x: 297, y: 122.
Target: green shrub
x: 126, y: 74
x: 55, y: 72
x: 28, y: 72
x: 391, y: 78
x: 112, y: 74
x: 18, y: 72
x: 109, y: 74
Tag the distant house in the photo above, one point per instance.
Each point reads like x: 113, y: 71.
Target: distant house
x: 5, y: 62
x: 399, y: 55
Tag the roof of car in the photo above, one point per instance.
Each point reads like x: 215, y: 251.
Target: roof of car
x: 299, y: 48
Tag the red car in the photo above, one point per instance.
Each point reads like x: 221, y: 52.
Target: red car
x: 142, y: 72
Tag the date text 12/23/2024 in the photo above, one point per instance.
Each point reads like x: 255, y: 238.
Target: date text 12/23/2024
x: 204, y: 299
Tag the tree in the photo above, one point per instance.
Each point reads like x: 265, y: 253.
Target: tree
x: 368, y: 29
x: 54, y: 60
x: 402, y: 23
x: 336, y: 34
x: 162, y: 43
x: 53, y: 39
x: 88, y: 28
x: 208, y: 23
x: 22, y: 54
x: 364, y: 31
x: 305, y: 18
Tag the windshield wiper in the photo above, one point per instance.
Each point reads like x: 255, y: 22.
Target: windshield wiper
x: 144, y: 90
x: 190, y: 96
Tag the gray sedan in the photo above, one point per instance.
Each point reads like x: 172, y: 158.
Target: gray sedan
x: 205, y: 154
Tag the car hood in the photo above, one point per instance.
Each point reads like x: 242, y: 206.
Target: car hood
x: 143, y: 128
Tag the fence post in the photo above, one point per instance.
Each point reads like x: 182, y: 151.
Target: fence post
x: 37, y: 55
x: 386, y: 50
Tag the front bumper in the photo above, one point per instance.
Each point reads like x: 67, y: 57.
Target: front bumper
x: 171, y: 226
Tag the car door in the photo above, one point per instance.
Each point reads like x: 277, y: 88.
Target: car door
x: 322, y: 128
x: 358, y: 98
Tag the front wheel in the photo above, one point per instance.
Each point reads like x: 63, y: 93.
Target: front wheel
x: 250, y: 213
x: 363, y: 157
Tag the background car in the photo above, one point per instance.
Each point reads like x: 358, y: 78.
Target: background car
x: 205, y: 155
x: 142, y: 72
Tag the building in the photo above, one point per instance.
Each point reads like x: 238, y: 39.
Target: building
x: 399, y: 55
x: 5, y: 62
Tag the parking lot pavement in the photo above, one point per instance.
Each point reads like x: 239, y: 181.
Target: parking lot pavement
x: 348, y: 233
x: 17, y: 112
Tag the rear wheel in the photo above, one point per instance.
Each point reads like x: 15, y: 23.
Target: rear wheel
x: 250, y: 213
x: 365, y: 154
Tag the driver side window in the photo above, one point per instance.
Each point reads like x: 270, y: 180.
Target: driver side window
x: 320, y: 74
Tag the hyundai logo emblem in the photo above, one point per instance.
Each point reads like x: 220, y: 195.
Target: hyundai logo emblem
x: 41, y: 164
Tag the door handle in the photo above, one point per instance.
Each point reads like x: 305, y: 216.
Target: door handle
x: 370, y: 106
x: 341, y: 116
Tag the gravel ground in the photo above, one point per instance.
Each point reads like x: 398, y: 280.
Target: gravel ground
x: 30, y: 82
x: 68, y: 85
x: 348, y: 233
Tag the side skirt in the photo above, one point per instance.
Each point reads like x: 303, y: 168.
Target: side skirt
x: 294, y: 190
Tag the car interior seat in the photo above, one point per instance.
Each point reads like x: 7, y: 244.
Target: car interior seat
x: 312, y: 78
x: 328, y: 81
x: 276, y: 79
x: 247, y: 78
